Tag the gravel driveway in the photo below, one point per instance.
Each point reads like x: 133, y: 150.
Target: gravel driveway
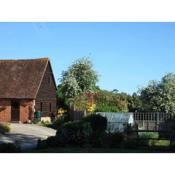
x: 26, y: 135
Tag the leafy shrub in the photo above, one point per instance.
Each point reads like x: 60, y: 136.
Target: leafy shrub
x: 9, y: 148
x: 97, y: 122
x: 45, y: 123
x: 98, y: 125
x: 106, y: 108
x: 58, y: 122
x: 36, y: 121
x: 4, y: 127
x: 73, y: 133
x: 107, y: 101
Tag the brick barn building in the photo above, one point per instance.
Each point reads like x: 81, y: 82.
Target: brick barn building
x: 26, y: 86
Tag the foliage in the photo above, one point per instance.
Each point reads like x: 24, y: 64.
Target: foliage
x: 73, y: 133
x: 87, y: 131
x: 61, y: 101
x: 61, y: 112
x: 135, y: 103
x: 107, y: 101
x: 90, y: 107
x: 36, y: 121
x: 159, y: 95
x: 9, y: 148
x: 79, y: 78
x: 99, y: 126
x: 5, y: 127
x: 59, y: 122
x: 84, y: 102
x: 70, y: 87
x: 97, y: 122
x: 80, y: 102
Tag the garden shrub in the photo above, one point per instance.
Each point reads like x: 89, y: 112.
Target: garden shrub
x: 74, y: 133
x: 4, y: 127
x: 9, y: 148
x: 59, y: 122
x: 36, y: 121
x: 99, y: 126
x: 97, y: 122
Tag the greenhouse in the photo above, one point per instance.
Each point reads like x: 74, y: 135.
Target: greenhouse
x: 117, y: 121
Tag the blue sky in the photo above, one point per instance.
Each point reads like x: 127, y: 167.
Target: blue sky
x: 126, y: 55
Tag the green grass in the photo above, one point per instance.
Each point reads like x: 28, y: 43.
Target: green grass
x: 148, y: 135
x: 159, y: 143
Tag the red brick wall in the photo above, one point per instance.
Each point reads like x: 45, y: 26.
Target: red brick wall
x: 26, y: 112
x: 5, y: 110
x: 46, y: 94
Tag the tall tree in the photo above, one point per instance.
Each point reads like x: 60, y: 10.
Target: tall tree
x: 160, y: 95
x: 79, y: 78
x: 135, y: 103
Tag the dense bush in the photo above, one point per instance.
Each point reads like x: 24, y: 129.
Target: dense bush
x: 78, y: 133
x: 58, y: 122
x: 74, y: 133
x: 9, y: 148
x: 4, y: 127
x: 97, y: 122
x: 107, y: 101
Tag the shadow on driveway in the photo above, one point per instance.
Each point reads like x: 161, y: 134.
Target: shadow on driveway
x: 26, y: 136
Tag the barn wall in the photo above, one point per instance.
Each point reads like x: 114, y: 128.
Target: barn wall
x: 5, y: 110
x: 46, y: 94
x: 26, y: 110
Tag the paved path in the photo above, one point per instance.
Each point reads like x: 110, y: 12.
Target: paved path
x: 26, y: 135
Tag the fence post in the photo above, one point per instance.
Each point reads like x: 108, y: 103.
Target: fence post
x: 158, y: 121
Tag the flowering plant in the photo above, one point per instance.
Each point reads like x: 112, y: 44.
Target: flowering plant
x: 61, y: 111
x: 90, y: 107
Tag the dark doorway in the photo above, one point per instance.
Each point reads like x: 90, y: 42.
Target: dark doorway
x: 15, y: 105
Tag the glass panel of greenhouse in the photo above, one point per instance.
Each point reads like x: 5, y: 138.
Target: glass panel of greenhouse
x: 117, y: 121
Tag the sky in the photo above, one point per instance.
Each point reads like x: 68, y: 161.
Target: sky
x: 125, y: 55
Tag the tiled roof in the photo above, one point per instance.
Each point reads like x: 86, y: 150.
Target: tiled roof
x: 21, y: 79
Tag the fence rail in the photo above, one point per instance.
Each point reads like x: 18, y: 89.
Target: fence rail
x: 150, y: 120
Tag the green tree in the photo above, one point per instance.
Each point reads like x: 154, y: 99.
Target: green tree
x: 79, y: 78
x: 107, y: 101
x: 160, y: 95
x: 135, y: 103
